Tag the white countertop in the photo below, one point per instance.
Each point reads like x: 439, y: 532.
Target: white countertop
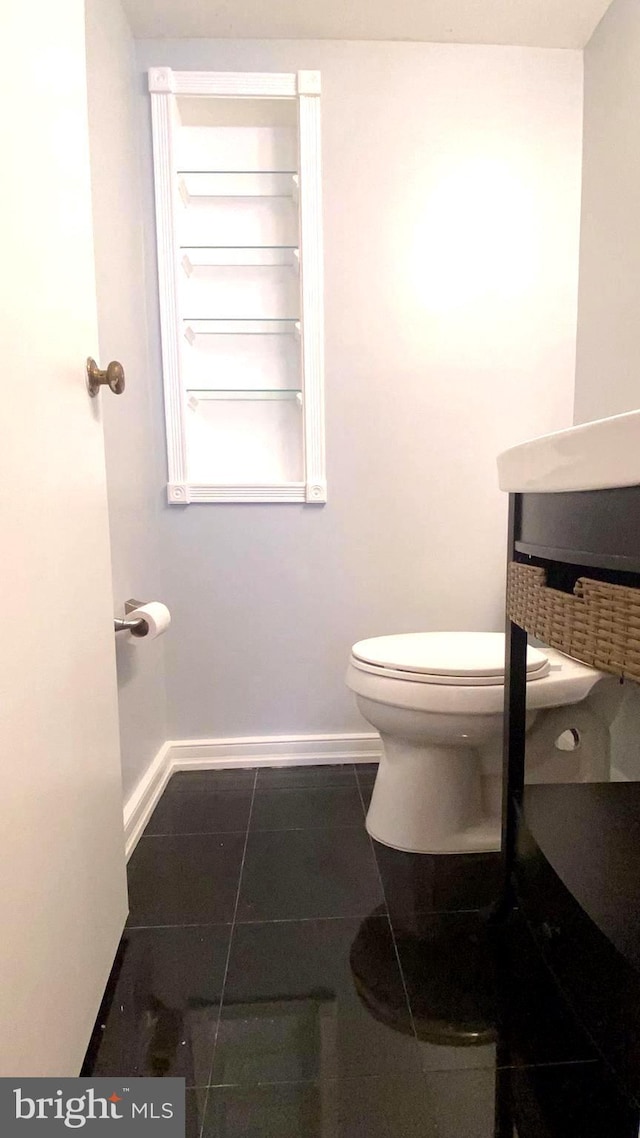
x: 592, y: 456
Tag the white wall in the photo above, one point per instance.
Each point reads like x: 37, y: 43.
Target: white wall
x: 451, y: 198
x: 608, y: 358
x: 132, y: 441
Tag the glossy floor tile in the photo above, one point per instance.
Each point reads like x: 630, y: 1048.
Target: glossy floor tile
x: 355, y: 1108
x: 185, y: 879
x: 307, y: 981
x: 195, y: 1108
x: 165, y: 1007
x: 470, y: 1009
x: 237, y: 778
x: 408, y: 881
x: 365, y: 793
x: 366, y: 776
x: 278, y: 777
x: 291, y: 874
x: 450, y: 986
x: 296, y: 808
x: 302, y: 1002
x: 466, y: 881
x: 565, y: 1101
x: 366, y: 773
x: 415, y: 884
x: 198, y: 809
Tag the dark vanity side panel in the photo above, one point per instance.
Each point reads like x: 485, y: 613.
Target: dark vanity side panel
x: 590, y: 528
x: 598, y: 983
x: 593, y: 534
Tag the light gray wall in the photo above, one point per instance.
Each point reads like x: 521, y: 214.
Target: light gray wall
x: 451, y: 208
x: 608, y: 353
x: 131, y: 440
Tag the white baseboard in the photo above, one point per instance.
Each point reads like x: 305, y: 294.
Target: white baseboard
x: 256, y: 751
x: 143, y: 800
x: 274, y: 751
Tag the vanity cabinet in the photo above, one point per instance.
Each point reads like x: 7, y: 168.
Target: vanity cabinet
x: 572, y: 852
x: 239, y: 238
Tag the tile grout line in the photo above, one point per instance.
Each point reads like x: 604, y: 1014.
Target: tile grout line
x: 373, y: 852
x: 255, y: 921
x: 392, y: 932
x: 269, y: 789
x: 226, y: 966
x: 270, y: 830
x: 192, y: 834
x: 376, y: 1076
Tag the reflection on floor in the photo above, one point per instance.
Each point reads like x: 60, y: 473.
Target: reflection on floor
x: 309, y: 983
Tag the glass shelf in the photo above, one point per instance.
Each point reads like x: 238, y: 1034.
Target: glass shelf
x: 230, y: 256
x: 237, y: 184
x: 184, y: 173
x: 240, y: 326
x: 244, y: 393
x: 227, y: 247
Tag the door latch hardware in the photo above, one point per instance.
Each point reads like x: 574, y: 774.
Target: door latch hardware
x: 113, y: 377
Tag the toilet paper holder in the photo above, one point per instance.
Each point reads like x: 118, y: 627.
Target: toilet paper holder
x: 135, y: 627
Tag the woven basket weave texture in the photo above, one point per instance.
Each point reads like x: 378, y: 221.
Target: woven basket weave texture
x: 598, y: 623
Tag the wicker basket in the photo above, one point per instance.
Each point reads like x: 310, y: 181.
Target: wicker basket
x: 598, y: 623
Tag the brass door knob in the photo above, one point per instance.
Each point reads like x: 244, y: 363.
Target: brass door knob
x: 113, y: 377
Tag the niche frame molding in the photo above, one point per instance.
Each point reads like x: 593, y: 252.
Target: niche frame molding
x: 165, y: 85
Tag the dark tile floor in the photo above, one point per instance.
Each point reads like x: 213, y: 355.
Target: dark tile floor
x: 309, y: 983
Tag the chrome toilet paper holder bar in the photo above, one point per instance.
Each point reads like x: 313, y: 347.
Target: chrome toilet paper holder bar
x: 137, y: 627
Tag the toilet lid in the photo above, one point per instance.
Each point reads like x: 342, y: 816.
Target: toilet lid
x: 453, y: 654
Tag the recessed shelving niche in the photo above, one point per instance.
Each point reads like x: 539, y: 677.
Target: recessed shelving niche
x: 238, y: 215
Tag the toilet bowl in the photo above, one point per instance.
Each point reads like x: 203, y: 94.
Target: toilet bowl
x: 437, y: 700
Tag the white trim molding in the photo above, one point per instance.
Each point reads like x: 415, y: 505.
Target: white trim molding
x: 208, y: 492
x: 274, y: 751
x: 227, y: 84
x: 163, y: 115
x: 143, y: 800
x: 303, y: 88
x: 312, y: 287
x: 225, y: 753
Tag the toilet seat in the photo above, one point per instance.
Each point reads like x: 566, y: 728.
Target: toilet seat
x: 455, y: 659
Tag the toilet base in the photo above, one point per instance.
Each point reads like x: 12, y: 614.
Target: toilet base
x: 483, y: 838
x: 431, y: 799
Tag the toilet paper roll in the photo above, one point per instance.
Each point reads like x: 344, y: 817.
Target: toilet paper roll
x: 156, y: 617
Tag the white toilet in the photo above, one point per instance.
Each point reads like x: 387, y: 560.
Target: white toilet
x: 437, y: 700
